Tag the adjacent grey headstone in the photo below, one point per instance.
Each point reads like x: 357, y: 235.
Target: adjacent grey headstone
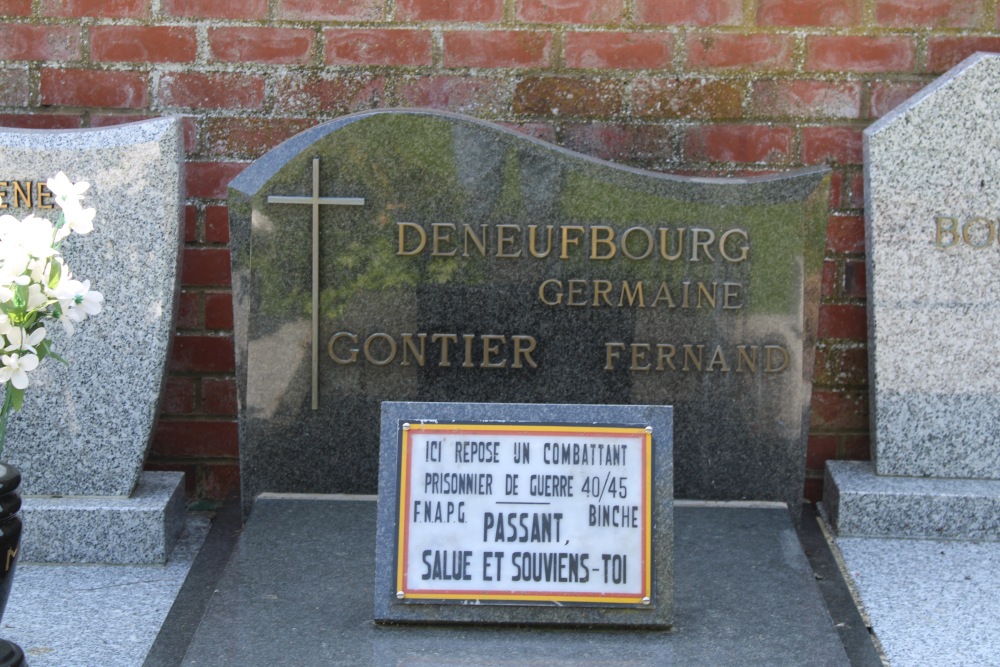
x: 932, y: 186
x: 85, y: 429
x: 433, y: 231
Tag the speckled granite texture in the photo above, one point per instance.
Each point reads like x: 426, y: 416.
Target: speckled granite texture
x: 739, y: 431
x: 932, y: 170
x: 140, y: 529
x: 860, y: 503
x: 85, y: 429
x: 659, y: 417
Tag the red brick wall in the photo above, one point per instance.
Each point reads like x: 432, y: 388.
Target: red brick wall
x: 710, y: 86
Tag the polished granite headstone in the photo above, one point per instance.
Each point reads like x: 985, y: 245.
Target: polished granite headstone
x: 458, y: 261
x: 299, y: 589
x: 83, y: 434
x: 932, y: 170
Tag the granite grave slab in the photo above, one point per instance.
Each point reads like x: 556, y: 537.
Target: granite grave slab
x: 931, y: 189
x: 85, y: 430
x: 525, y: 514
x: 424, y: 256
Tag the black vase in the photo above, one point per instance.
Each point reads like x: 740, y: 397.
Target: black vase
x: 10, y: 541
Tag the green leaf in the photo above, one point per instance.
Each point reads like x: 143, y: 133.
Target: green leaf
x: 16, y: 397
x: 55, y: 274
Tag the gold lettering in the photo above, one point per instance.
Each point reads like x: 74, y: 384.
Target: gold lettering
x: 441, y: 233
x: 3, y: 184
x: 689, y: 355
x: 354, y: 351
x: 42, y: 193
x: 490, y: 350
x: 596, y: 240
x: 478, y: 241
x: 19, y: 194
x: 531, y: 241
x: 503, y: 240
x: 744, y: 248
x: 523, y: 346
x: 730, y: 292
x: 576, y: 288
x: 639, y: 351
x: 770, y: 350
x: 468, y: 338
x: 664, y: 243
x: 601, y: 290
x: 749, y: 360
x: 402, y: 227
x: 612, y: 352
x: 718, y: 359
x: 649, y: 242
x: 444, y: 339
x: 991, y: 233
x: 710, y: 298
x: 567, y: 240
x: 368, y: 349
x: 663, y: 294
x: 665, y: 354
x: 695, y: 243
x: 408, y: 346
x: 632, y: 294
x: 686, y: 301
x: 558, y: 296
x: 951, y: 229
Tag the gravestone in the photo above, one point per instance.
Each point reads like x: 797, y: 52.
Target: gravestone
x: 84, y: 431
x: 423, y: 256
x: 932, y: 171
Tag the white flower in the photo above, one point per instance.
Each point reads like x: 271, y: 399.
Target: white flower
x: 15, y: 368
x: 65, y: 190
x: 19, y: 341
x: 77, y: 301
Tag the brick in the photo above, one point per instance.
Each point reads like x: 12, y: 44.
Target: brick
x: 39, y: 42
x: 687, y: 99
x: 487, y: 11
x: 846, y: 321
x: 841, y: 367
x: 837, y: 13
x: 178, y: 396
x: 132, y: 9
x: 806, y: 99
x: 136, y: 43
x: 190, y: 224
x: 562, y: 96
x: 218, y: 396
x: 932, y: 13
x: 221, y: 481
x: 277, y: 46
x: 15, y: 7
x: 466, y: 94
x: 377, y: 47
x: 854, y: 53
x: 857, y: 448
x: 887, y: 95
x: 497, y: 48
x: 202, y: 354
x: 304, y: 93
x: 189, y: 310
x: 211, y: 179
x: 812, y: 489
x: 95, y: 88
x: 216, y: 224
x: 943, y: 53
x: 196, y: 439
x: 855, y: 279
x: 619, y: 50
x: 189, y: 126
x: 828, y: 284
x: 216, y: 9
x: 218, y: 311
x: 206, y: 267
x: 248, y: 137
x: 837, y: 144
x: 14, y: 87
x: 690, y: 12
x: 819, y: 449
x: 332, y: 10
x: 839, y: 410
x: 739, y: 143
x: 570, y: 11
x: 845, y: 234
x: 854, y: 189
x: 194, y: 90
x: 729, y: 50
x: 637, y: 145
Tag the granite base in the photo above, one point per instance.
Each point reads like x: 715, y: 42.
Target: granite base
x: 860, y: 503
x: 299, y: 589
x: 138, y: 529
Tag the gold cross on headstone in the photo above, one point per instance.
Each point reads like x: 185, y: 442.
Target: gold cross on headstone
x: 316, y: 201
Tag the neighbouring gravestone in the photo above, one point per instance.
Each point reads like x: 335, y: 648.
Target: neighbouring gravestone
x: 932, y: 170
x: 422, y: 256
x: 83, y: 434
x: 515, y: 513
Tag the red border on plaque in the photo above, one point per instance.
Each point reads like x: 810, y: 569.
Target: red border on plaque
x: 642, y: 597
